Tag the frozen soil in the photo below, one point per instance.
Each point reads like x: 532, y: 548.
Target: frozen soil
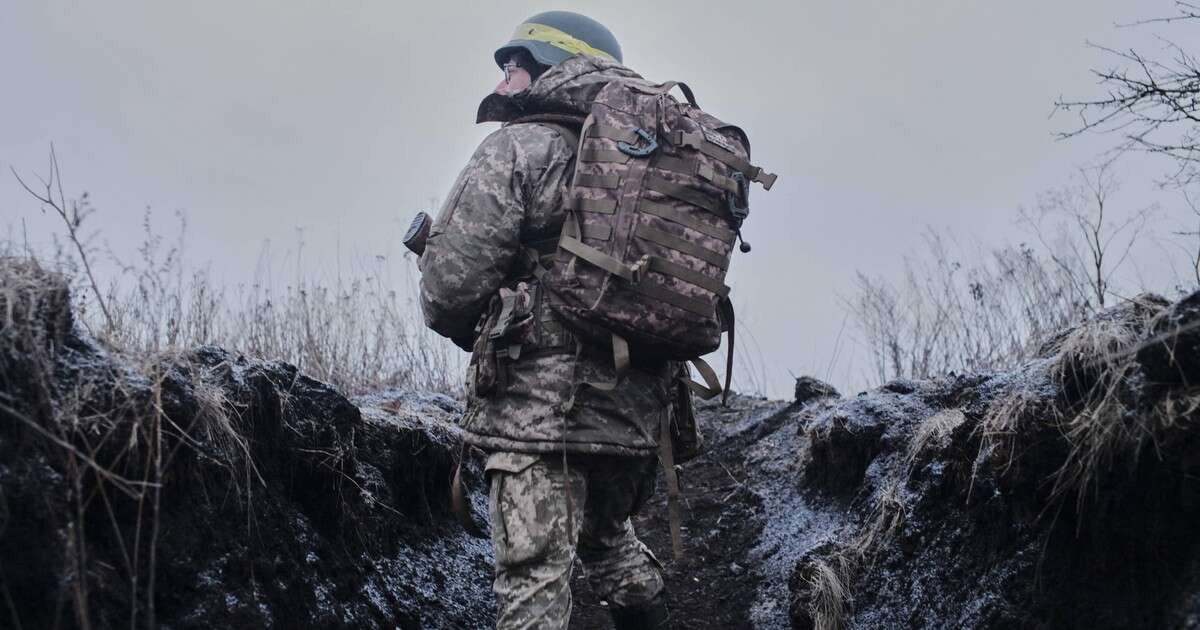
x: 714, y: 584
x: 206, y: 489
x: 1063, y: 493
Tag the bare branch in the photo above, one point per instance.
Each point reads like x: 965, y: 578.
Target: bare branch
x: 73, y: 220
x: 1154, y: 105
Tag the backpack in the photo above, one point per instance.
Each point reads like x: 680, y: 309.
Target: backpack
x: 658, y: 197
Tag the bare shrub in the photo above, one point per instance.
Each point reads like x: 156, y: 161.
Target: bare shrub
x: 996, y: 308
x: 102, y: 455
x: 72, y: 212
x: 360, y: 333
x: 946, y: 316
x: 1150, y: 103
x: 1190, y: 244
x: 1086, y: 239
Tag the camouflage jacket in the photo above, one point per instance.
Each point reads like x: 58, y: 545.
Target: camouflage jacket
x: 477, y: 288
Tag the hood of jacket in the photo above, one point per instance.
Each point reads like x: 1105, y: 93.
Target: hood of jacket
x: 567, y: 88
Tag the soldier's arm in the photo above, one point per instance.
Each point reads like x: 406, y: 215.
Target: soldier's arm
x: 476, y: 237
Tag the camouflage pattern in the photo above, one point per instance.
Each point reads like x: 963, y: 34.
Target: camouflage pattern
x: 510, y: 196
x: 665, y: 215
x: 525, y: 402
x: 535, y: 534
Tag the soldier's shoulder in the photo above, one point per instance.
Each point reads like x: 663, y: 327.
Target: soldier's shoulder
x: 529, y: 136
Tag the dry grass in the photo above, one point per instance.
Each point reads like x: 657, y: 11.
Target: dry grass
x: 888, y: 514
x: 946, y: 316
x: 931, y: 430
x: 829, y: 579
x: 1001, y: 425
x: 1098, y: 410
x: 108, y: 436
x: 832, y: 598
x: 1096, y: 360
x: 361, y: 332
x: 1176, y: 408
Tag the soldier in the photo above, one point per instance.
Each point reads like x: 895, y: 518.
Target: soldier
x: 568, y: 463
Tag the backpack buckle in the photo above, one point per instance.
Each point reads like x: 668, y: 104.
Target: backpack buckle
x: 738, y: 203
x: 639, y: 268
x: 650, y: 147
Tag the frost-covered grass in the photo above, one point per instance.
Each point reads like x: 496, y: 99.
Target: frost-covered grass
x: 956, y: 311
x: 360, y: 332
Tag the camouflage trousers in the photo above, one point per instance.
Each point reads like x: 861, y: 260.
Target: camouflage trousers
x: 536, y: 536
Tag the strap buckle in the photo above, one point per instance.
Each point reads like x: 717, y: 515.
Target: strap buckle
x: 638, y: 269
x: 650, y: 147
x: 505, y: 319
x: 738, y: 203
x: 514, y: 315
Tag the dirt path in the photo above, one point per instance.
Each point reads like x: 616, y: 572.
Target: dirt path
x: 713, y: 585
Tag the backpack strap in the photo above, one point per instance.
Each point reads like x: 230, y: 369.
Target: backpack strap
x: 725, y: 309
x: 570, y: 241
x: 666, y: 456
x: 459, y: 503
x: 569, y: 126
x: 663, y: 88
x: 711, y: 385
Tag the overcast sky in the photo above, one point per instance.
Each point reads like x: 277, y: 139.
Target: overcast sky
x: 342, y: 118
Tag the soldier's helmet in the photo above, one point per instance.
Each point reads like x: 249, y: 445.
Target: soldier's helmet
x: 555, y: 36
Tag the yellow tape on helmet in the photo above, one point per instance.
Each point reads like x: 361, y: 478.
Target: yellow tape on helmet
x: 558, y: 39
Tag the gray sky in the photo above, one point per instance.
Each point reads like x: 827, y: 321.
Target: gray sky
x: 343, y: 118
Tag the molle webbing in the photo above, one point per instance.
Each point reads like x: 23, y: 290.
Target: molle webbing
x: 653, y: 212
x: 683, y: 245
x: 728, y: 184
x: 666, y: 267
x: 674, y: 164
x: 696, y: 169
x: 591, y: 154
x: 713, y: 150
x: 664, y: 211
x: 598, y: 181
x: 596, y: 257
x: 597, y: 232
x: 602, y: 206
x: 685, y: 194
x: 658, y: 292
x: 598, y: 130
